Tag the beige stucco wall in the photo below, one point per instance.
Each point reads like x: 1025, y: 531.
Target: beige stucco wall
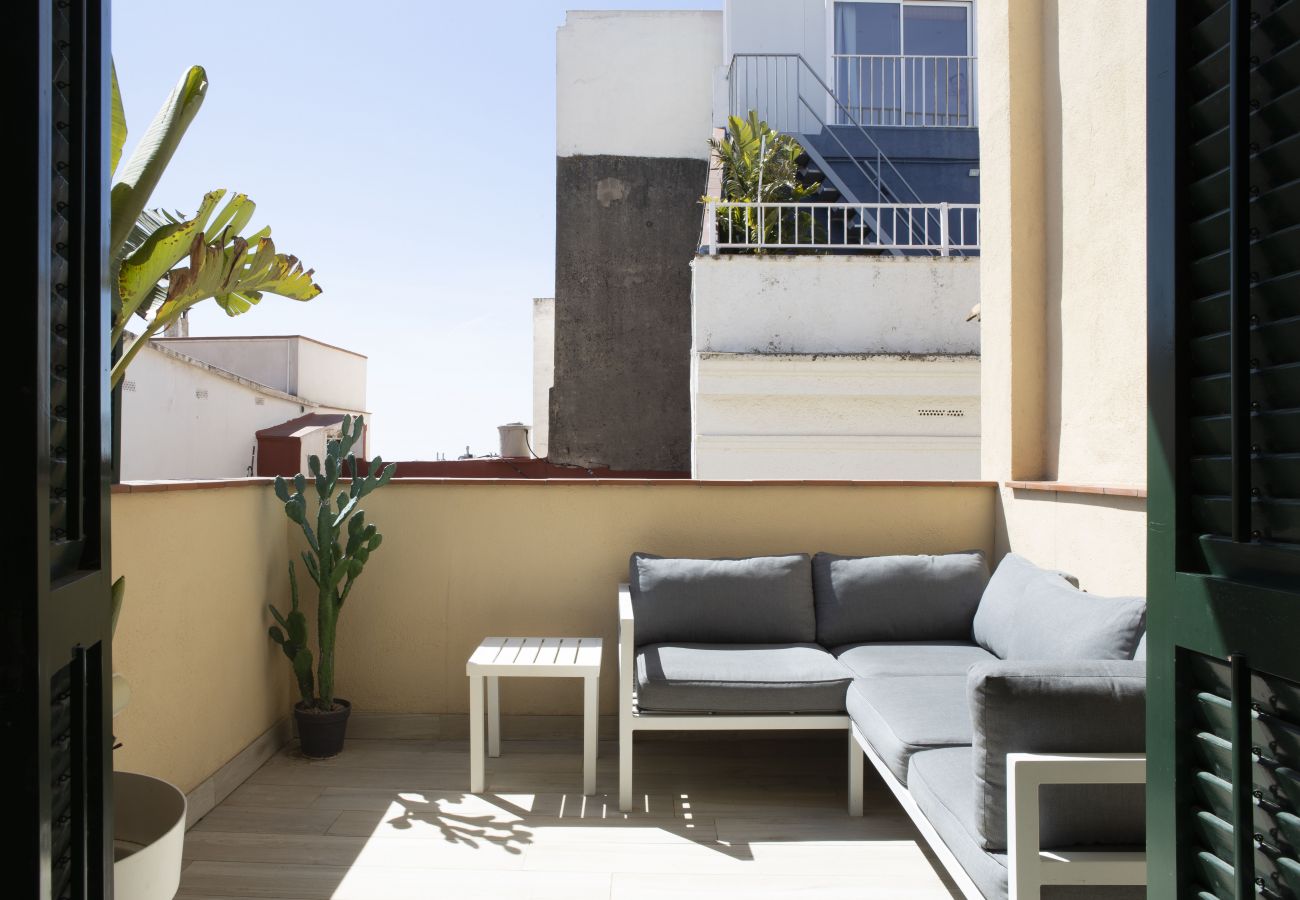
x: 1094, y: 126
x: 1062, y: 286
x: 205, y: 679
x: 462, y: 561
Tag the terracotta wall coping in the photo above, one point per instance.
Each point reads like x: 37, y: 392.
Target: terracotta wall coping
x: 144, y: 487
x: 1068, y: 487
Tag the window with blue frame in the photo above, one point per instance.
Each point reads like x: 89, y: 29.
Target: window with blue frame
x: 903, y: 63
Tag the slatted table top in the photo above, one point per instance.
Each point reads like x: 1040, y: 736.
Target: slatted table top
x: 536, y: 656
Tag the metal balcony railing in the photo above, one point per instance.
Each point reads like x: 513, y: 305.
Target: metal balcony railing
x: 907, y: 91
x: 942, y: 228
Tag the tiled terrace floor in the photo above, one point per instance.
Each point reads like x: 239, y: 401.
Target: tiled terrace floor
x: 717, y: 817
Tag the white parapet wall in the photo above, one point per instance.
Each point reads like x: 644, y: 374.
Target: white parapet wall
x: 835, y: 304
x: 835, y: 367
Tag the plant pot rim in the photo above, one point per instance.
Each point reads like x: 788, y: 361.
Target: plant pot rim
x: 342, y: 707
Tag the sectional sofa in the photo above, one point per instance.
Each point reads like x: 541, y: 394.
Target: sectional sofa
x: 1005, y: 712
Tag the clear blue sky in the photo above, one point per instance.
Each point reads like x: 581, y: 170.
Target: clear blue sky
x: 406, y: 151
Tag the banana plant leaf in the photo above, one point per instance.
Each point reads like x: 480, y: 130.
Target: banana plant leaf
x: 140, y: 273
x: 117, y: 124
x: 150, y: 158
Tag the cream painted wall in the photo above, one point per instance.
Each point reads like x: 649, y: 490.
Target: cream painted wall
x: 1062, y: 107
x: 543, y: 371
x: 200, y: 567
x: 1094, y: 118
x: 460, y: 561
x: 770, y: 416
x: 1101, y: 541
x: 631, y: 83
x: 834, y: 304
x: 465, y: 560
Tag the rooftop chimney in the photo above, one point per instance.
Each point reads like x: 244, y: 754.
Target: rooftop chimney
x: 514, y: 440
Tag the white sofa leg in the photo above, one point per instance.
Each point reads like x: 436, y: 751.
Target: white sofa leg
x: 624, y: 764
x: 856, y: 762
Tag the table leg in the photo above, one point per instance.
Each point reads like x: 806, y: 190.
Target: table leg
x: 493, y: 717
x: 590, y: 723
x: 476, y: 761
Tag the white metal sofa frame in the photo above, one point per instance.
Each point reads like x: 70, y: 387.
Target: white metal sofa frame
x: 632, y: 720
x: 1030, y: 868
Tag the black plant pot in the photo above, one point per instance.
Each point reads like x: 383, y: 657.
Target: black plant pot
x: 322, y: 733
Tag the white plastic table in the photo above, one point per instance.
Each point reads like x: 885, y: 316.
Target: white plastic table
x: 537, y: 658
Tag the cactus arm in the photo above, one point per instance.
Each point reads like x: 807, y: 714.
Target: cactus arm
x: 347, y: 589
x: 312, y: 540
x: 309, y: 562
x: 302, y: 672
x: 275, y: 614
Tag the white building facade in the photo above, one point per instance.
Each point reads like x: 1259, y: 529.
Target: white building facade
x: 191, y: 407
x: 852, y: 355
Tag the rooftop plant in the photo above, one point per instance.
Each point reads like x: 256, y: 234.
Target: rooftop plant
x: 339, y: 545
x: 761, y: 165
x: 147, y: 247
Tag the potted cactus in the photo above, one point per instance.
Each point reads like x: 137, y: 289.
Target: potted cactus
x: 339, y: 545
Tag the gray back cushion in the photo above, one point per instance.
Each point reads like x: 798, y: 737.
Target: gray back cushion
x: 1059, y: 621
x: 1071, y: 706
x: 760, y: 600
x: 897, y: 598
x: 1003, y: 601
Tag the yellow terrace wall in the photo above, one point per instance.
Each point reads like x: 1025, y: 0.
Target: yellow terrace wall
x: 1063, y: 282
x: 464, y: 560
x: 461, y: 560
x: 200, y: 567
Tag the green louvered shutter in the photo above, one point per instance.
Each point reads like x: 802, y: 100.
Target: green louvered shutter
x: 1224, y: 508
x: 55, y: 627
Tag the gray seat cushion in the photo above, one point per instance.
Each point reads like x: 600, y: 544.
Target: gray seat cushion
x: 903, y: 658
x: 897, y: 598
x: 902, y: 716
x: 762, y: 600
x: 1003, y: 600
x: 739, y: 678
x: 940, y: 783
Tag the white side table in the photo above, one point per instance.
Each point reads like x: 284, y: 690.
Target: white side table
x: 537, y: 658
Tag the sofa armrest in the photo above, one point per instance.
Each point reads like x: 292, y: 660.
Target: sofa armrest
x: 626, y: 628
x: 1058, y: 707
x: 1028, y: 868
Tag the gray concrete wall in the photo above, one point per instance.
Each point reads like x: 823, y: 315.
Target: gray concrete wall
x: 626, y: 231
